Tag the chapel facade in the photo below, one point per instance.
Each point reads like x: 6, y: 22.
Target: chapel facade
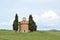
x: 23, y: 25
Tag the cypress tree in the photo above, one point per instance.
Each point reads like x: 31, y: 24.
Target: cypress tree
x: 15, y: 23
x: 32, y: 24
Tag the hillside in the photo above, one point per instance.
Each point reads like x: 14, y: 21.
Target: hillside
x: 10, y: 35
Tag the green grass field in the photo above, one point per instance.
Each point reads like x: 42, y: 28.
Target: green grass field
x: 10, y: 35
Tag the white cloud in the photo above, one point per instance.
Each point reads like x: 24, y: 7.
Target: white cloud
x: 46, y: 16
x: 49, y: 18
x: 50, y: 15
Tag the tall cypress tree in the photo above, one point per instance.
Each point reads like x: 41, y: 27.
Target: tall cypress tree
x: 15, y: 23
x: 30, y: 21
x: 32, y: 25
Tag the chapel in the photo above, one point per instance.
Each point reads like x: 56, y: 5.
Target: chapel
x: 23, y: 25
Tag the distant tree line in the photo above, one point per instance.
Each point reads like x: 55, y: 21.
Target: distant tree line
x: 32, y: 25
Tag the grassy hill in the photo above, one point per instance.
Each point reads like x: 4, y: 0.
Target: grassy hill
x: 10, y: 35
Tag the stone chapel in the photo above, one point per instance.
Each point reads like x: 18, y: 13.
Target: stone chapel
x: 23, y: 25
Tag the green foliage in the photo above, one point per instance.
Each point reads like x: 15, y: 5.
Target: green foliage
x: 32, y: 24
x: 10, y: 35
x: 15, y: 23
x: 35, y: 27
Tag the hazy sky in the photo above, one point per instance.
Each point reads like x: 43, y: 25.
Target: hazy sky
x: 46, y: 13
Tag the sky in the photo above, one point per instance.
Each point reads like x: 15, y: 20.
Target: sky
x: 46, y: 13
